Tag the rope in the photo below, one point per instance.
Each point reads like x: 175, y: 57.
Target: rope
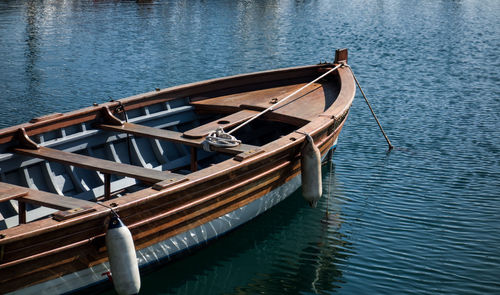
x: 110, y: 208
x: 285, y: 98
x: 220, y: 138
x: 373, y: 113
x: 121, y: 109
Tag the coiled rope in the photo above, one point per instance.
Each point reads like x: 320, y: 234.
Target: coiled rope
x: 220, y: 138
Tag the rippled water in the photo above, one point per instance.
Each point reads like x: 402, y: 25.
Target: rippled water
x: 423, y: 219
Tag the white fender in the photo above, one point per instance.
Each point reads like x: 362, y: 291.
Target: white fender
x: 310, y: 165
x: 122, y: 258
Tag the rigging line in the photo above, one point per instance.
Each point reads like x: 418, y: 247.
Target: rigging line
x: 108, y: 207
x: 121, y: 109
x: 373, y: 113
x: 285, y: 98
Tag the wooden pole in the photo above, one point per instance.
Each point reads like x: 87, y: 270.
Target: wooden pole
x: 22, y: 212
x: 371, y: 109
x: 194, y: 164
x: 107, y: 186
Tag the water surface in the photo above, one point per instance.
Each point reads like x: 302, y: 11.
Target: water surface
x: 423, y: 219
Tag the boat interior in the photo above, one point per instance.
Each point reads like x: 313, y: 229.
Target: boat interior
x: 62, y: 172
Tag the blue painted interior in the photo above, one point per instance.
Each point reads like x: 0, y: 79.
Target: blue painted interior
x: 81, y: 138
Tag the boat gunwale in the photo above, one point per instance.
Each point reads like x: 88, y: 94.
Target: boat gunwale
x: 58, y: 120
x: 320, y: 128
x: 129, y: 201
x: 323, y: 145
x: 345, y: 96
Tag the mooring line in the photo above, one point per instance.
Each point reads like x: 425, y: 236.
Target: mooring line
x: 224, y: 139
x: 285, y: 98
x: 108, y: 207
x: 371, y: 109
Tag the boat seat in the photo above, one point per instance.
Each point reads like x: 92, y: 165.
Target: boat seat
x: 9, y: 191
x: 54, y: 201
x: 70, y: 206
x: 173, y: 136
x: 225, y: 122
x: 104, y: 166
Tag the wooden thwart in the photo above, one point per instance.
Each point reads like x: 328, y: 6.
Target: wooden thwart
x: 54, y: 201
x: 225, y: 122
x: 104, y: 166
x: 9, y: 191
x: 173, y: 136
x: 71, y: 206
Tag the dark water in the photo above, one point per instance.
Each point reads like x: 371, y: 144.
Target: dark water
x: 424, y: 219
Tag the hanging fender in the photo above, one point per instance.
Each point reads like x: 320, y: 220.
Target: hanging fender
x: 310, y: 165
x: 122, y: 258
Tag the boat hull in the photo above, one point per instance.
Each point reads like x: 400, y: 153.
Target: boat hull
x: 164, y: 251
x: 170, y: 193
x: 173, y: 247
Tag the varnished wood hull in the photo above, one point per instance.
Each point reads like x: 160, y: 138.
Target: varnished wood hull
x: 170, y: 212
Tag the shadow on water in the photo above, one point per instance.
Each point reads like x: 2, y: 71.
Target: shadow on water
x: 286, y: 249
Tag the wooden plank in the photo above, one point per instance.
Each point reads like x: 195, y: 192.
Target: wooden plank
x: 104, y: 166
x: 46, y: 117
x: 153, y: 97
x: 225, y: 122
x: 261, y: 97
x: 173, y: 136
x: 168, y: 182
x: 25, y: 195
x: 248, y: 154
x: 10, y: 191
x: 67, y: 214
x: 299, y: 109
x: 54, y: 201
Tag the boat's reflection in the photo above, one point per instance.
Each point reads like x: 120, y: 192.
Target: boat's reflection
x: 288, y: 249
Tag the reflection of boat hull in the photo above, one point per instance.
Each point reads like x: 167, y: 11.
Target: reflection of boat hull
x: 201, y: 196
x: 329, y: 155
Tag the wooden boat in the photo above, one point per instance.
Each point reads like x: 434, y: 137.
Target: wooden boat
x: 142, y: 156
